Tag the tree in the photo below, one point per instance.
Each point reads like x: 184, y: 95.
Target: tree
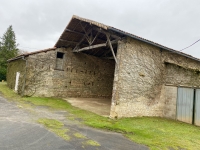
x: 8, y: 49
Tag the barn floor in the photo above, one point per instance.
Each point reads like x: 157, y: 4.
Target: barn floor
x: 100, y: 106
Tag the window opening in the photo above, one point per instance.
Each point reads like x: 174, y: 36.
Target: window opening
x: 60, y: 55
x: 59, y: 61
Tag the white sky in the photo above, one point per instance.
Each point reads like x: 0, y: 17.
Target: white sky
x: 39, y: 23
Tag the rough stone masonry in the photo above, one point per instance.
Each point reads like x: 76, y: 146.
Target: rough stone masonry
x: 146, y: 80
x: 143, y: 83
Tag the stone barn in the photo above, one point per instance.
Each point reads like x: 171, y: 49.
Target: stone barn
x: 93, y: 60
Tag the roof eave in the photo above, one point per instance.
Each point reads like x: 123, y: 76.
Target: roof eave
x: 157, y: 45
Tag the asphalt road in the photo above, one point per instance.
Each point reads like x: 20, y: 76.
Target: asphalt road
x: 20, y: 131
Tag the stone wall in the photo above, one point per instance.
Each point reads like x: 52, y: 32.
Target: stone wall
x: 181, y: 76
x: 140, y: 78
x: 82, y: 75
x: 40, y: 68
x: 14, y: 67
x: 145, y: 79
x: 170, y: 97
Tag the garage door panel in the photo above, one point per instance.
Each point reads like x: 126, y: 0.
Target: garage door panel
x: 185, y: 104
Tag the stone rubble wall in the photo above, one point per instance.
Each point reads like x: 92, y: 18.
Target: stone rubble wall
x: 82, y: 75
x: 170, y: 97
x: 141, y: 79
x: 40, y: 68
x: 14, y: 67
x: 179, y: 76
x: 145, y: 79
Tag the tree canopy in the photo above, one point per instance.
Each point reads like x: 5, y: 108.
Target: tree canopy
x: 8, y: 49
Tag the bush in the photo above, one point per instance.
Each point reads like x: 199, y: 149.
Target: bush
x: 2, y: 74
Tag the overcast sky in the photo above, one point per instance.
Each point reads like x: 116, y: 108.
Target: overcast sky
x: 39, y: 23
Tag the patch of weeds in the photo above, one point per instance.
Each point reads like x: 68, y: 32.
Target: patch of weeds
x: 91, y: 142
x: 55, y: 126
x: 79, y: 135
x: 72, y: 118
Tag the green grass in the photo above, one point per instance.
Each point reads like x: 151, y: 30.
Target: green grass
x: 91, y: 142
x: 55, y: 126
x: 156, y: 133
x: 79, y: 135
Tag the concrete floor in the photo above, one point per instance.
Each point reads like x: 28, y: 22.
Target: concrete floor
x: 100, y: 106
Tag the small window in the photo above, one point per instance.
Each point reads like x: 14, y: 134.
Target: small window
x: 59, y: 61
x: 60, y: 55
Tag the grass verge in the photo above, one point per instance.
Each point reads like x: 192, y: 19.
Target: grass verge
x: 156, y: 133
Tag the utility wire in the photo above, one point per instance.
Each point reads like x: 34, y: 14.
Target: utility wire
x: 190, y: 45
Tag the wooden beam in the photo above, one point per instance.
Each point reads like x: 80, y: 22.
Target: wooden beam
x: 67, y: 30
x: 105, y: 32
x: 111, y: 48
x: 94, y: 46
x: 95, y: 38
x: 73, y: 42
x: 86, y: 35
x: 88, y: 32
x: 90, y: 47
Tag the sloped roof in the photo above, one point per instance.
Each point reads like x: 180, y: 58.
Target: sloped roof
x: 74, y: 25
x: 31, y: 53
x: 77, y: 28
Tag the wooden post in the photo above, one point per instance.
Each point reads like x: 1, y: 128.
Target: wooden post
x: 111, y: 48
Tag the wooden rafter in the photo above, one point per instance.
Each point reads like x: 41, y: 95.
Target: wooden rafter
x: 103, y: 31
x: 76, y: 26
x: 86, y: 35
x: 68, y: 30
x: 94, y: 38
x: 73, y: 42
x: 77, y: 45
x: 94, y: 46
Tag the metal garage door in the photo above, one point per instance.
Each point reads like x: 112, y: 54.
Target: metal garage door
x: 197, y: 108
x: 185, y: 104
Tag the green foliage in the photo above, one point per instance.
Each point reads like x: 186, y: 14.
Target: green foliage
x: 2, y: 73
x: 8, y: 49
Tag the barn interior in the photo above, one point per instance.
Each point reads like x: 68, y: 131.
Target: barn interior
x: 93, y: 39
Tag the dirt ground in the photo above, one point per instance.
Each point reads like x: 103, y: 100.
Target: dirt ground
x: 100, y: 106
